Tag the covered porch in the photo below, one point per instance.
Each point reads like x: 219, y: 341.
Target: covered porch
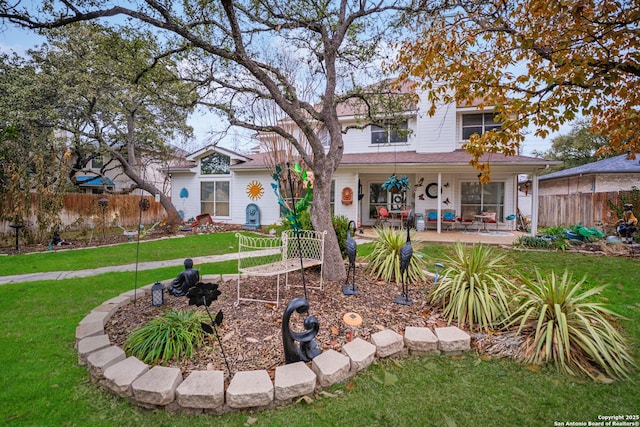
x: 444, y: 190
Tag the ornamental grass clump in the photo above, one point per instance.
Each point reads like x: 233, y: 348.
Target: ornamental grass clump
x: 174, y: 335
x: 384, y: 260
x: 564, y: 326
x: 472, y: 289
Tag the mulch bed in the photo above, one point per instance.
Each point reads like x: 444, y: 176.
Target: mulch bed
x: 251, y: 332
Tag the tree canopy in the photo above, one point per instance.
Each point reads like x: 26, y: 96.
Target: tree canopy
x: 580, y: 146
x: 540, y: 63
x: 337, y: 44
x: 116, y: 98
x: 33, y: 161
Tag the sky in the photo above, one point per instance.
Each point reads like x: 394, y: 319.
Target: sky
x: 203, y: 123
x: 20, y: 40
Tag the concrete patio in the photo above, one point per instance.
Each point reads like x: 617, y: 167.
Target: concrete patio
x: 499, y: 238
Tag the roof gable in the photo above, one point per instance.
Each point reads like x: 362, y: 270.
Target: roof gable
x: 210, y: 149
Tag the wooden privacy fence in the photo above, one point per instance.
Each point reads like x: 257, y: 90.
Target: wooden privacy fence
x: 592, y: 209
x: 83, y: 211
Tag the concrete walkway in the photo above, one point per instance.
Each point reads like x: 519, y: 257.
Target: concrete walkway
x: 504, y: 238
x: 151, y: 265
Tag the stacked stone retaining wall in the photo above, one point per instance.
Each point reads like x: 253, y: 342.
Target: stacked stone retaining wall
x: 160, y: 387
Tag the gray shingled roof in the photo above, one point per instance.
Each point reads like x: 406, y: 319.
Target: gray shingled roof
x: 618, y: 164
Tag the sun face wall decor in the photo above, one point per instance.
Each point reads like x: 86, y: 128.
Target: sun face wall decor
x: 255, y: 190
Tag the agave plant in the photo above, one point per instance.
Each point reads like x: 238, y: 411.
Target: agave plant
x: 384, y: 260
x: 173, y: 335
x: 472, y: 289
x: 566, y: 327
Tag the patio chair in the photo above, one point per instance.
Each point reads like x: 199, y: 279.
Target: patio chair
x: 492, y: 219
x: 465, y: 222
x: 449, y: 218
x: 432, y: 217
x: 406, y: 218
x: 383, y: 216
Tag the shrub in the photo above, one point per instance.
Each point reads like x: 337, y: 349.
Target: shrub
x: 340, y: 224
x: 533, y: 242
x: 546, y: 241
x: 305, y: 221
x: 472, y: 288
x: 563, y: 327
x: 384, y: 260
x: 173, y: 335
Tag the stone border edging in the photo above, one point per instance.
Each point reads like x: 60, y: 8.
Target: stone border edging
x: 161, y: 387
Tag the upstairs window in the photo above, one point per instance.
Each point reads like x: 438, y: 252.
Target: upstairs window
x: 97, y: 163
x: 215, y: 164
x: 478, y: 124
x: 390, y: 133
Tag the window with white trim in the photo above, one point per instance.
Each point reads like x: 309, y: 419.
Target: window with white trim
x: 476, y: 198
x: 478, y: 124
x: 390, y: 133
x: 215, y: 164
x: 97, y: 162
x: 214, y: 198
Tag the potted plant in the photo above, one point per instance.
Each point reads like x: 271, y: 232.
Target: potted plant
x: 395, y: 184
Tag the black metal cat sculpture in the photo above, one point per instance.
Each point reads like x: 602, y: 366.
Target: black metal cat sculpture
x: 307, y: 348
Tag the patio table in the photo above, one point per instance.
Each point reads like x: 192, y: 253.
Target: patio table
x: 483, y: 221
x: 396, y: 215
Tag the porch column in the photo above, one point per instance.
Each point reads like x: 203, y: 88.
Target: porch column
x: 439, y: 207
x: 534, y: 205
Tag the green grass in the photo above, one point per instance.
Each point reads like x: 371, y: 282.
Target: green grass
x: 42, y: 385
x: 156, y: 250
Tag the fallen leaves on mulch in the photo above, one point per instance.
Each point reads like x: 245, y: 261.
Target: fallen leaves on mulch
x: 251, y: 332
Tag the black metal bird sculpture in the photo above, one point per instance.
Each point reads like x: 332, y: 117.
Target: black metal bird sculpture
x: 352, y: 250
x: 406, y: 253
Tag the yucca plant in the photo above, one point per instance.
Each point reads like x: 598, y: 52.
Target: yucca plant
x: 566, y: 327
x: 384, y: 260
x: 175, y: 334
x: 472, y: 289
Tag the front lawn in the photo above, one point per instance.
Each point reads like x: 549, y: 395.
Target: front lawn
x: 42, y: 385
x: 63, y: 259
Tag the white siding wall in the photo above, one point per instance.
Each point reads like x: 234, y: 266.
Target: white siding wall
x: 359, y: 141
x: 190, y: 206
x: 346, y: 179
x: 268, y: 203
x: 447, y: 193
x: 437, y: 133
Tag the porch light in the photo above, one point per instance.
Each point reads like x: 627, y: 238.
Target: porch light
x: 157, y: 294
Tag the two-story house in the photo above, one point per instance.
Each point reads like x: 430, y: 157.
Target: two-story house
x: 224, y: 183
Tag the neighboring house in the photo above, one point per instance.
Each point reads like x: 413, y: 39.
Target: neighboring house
x: 104, y: 175
x: 584, y: 194
x: 224, y: 183
x: 612, y: 174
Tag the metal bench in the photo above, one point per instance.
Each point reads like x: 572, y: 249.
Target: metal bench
x: 267, y: 256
